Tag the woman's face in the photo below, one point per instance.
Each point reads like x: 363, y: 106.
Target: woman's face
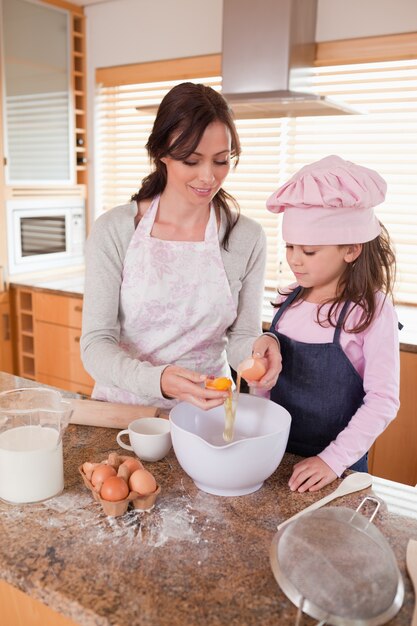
x: 198, y: 178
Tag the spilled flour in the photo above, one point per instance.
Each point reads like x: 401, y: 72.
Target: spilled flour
x: 176, y: 519
x: 67, y: 502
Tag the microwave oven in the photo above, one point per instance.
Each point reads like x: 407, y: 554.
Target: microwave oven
x: 45, y: 233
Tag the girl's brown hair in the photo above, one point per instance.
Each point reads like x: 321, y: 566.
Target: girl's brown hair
x: 373, y: 270
x: 184, y: 113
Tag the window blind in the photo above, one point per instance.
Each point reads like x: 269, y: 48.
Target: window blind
x: 38, y: 137
x: 383, y: 136
x: 122, y: 133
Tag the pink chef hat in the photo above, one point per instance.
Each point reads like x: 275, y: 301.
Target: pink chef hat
x: 329, y: 202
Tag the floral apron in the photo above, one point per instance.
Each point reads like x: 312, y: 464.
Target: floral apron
x: 175, y: 305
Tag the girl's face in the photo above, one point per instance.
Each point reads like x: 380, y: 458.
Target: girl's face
x: 199, y: 177
x: 319, y: 268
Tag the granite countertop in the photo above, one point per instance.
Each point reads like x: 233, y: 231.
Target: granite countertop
x: 72, y: 284
x: 193, y: 559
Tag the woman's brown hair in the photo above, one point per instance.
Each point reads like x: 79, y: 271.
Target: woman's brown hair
x: 184, y: 113
x: 373, y: 270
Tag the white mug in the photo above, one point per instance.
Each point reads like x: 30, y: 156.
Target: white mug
x: 150, y: 438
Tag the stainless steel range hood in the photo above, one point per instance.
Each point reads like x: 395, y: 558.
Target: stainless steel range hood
x: 267, y: 58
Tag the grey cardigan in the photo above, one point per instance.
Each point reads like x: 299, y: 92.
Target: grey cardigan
x: 106, y: 248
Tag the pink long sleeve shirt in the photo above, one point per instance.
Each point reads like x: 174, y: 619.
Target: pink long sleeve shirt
x: 374, y: 353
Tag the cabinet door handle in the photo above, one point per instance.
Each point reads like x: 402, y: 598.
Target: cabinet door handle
x: 6, y: 327
x: 77, y: 339
x: 78, y: 309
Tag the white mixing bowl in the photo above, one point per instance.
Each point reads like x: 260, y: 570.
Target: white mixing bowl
x: 261, y: 433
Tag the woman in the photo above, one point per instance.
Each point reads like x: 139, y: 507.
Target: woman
x: 172, y: 277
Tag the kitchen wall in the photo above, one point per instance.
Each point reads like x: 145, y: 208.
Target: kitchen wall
x: 141, y: 31
x: 121, y: 32
x: 3, y: 225
x: 338, y: 19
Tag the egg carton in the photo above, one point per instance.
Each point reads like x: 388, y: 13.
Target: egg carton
x: 134, y: 499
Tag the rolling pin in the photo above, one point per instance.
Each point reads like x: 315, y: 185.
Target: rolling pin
x: 108, y: 414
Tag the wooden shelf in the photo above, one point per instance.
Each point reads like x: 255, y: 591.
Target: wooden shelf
x: 79, y: 90
x: 27, y: 344
x: 23, y: 306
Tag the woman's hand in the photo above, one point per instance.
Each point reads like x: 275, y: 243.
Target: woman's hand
x: 268, y: 348
x: 311, y: 474
x: 183, y: 384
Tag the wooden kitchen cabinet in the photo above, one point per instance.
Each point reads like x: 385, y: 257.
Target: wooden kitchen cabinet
x: 394, y: 454
x: 56, y: 51
x: 62, y: 310
x: 47, y: 338
x: 6, y: 351
x: 19, y: 609
x: 57, y: 333
x: 57, y: 353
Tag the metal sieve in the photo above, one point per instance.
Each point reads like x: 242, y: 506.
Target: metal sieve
x: 338, y: 568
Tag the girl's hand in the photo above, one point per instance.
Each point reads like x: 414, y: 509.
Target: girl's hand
x: 311, y: 475
x: 182, y: 384
x: 268, y: 347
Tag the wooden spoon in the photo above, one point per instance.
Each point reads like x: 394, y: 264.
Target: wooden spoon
x: 411, y: 561
x: 353, y: 482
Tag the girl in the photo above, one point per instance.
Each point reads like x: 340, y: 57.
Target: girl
x: 337, y: 326
x: 171, y: 277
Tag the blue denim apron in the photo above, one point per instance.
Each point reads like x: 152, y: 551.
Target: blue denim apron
x: 319, y: 387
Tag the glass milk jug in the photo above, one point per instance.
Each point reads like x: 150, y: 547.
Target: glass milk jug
x: 32, y: 422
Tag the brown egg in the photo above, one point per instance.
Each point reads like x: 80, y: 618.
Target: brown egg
x: 133, y: 464
x: 142, y: 482
x: 114, y: 489
x: 252, y: 369
x: 101, y: 472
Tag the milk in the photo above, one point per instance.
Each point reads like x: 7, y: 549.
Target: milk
x: 31, y: 464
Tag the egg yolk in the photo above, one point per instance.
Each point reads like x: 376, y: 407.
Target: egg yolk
x: 219, y: 384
